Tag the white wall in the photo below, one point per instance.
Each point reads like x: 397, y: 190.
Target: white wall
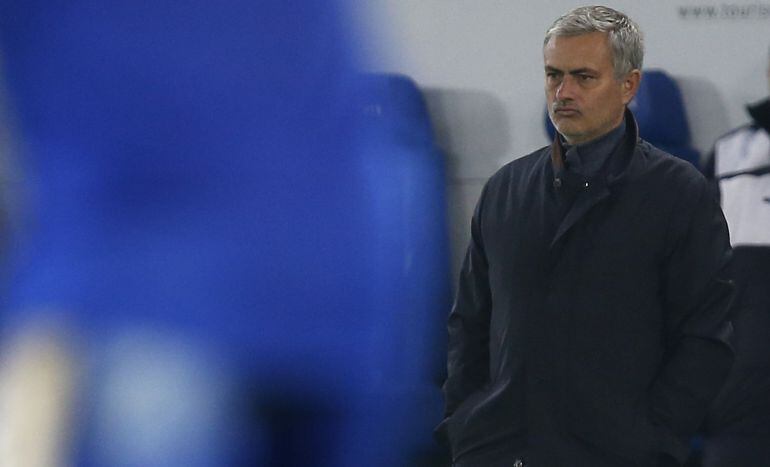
x: 480, y: 65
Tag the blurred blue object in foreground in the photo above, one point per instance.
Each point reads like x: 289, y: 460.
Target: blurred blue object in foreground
x: 249, y: 236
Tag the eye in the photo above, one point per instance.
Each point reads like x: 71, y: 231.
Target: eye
x: 586, y: 78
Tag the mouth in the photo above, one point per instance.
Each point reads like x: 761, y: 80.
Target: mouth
x: 566, y: 111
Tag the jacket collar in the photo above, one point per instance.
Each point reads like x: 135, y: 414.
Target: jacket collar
x: 760, y: 113
x: 616, y: 163
x: 597, y: 189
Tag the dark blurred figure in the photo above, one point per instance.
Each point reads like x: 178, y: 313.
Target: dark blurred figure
x: 738, y: 427
x: 236, y: 258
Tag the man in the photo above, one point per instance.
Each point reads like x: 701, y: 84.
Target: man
x: 590, y: 326
x: 738, y: 426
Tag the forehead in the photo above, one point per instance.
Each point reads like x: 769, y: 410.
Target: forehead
x: 591, y: 50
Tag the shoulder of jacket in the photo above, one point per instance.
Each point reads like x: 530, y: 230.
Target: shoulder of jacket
x: 738, y: 132
x: 521, y: 166
x: 735, y: 140
x: 671, y: 170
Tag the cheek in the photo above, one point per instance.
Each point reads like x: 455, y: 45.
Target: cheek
x: 606, y: 102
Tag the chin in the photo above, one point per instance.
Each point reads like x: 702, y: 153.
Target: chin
x: 568, y: 131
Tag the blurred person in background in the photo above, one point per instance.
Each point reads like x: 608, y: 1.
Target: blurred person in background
x: 738, y: 427
x: 210, y: 269
x: 591, y: 322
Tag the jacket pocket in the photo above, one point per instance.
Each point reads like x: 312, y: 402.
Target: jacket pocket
x: 617, y: 424
x: 485, y: 420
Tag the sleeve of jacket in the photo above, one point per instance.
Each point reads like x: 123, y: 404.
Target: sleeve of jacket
x: 697, y: 292
x: 468, y: 326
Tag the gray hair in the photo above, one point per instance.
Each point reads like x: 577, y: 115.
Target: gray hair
x: 625, y: 37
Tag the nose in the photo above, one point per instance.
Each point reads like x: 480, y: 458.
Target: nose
x: 566, y: 88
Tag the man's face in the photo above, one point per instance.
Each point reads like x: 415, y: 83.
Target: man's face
x: 585, y: 100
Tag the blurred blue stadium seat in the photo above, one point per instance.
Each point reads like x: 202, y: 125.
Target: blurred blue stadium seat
x: 216, y: 176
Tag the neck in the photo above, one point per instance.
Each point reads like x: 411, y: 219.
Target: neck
x: 578, y: 141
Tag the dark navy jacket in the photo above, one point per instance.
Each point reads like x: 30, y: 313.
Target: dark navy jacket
x: 591, y: 321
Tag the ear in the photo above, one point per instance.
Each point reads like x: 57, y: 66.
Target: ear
x: 630, y: 84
